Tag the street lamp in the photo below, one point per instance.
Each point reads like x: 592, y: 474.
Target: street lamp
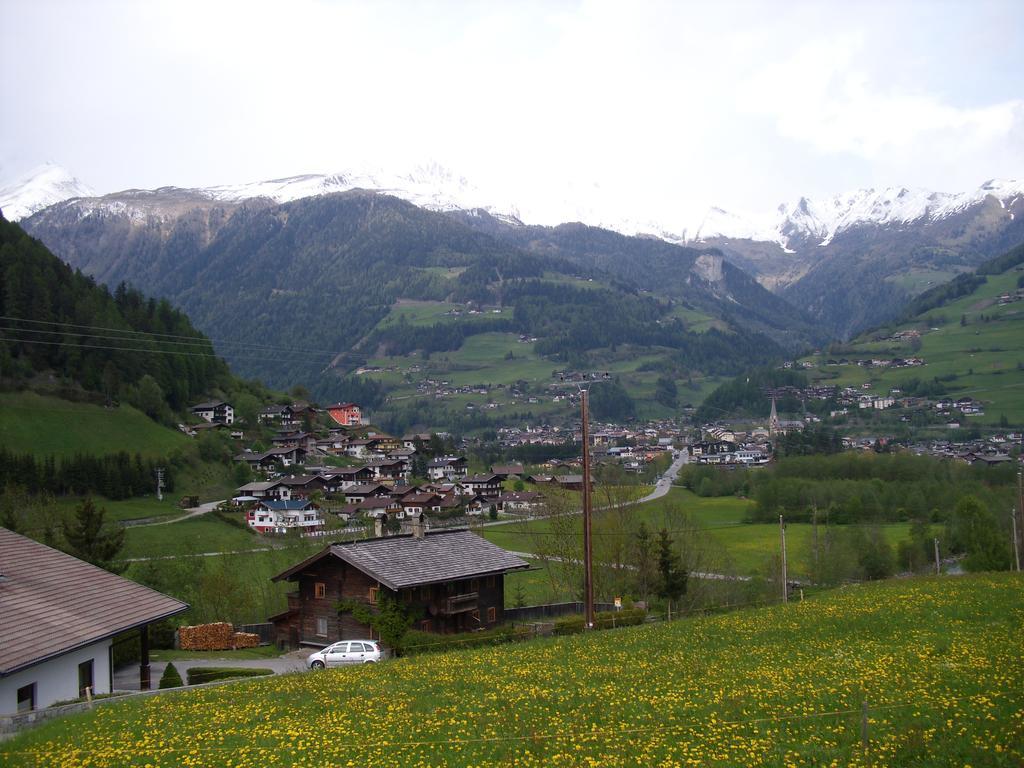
x: 588, y: 544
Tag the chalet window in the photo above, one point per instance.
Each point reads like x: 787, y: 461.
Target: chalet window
x: 85, y: 677
x: 321, y: 626
x: 27, y: 698
x: 319, y: 590
x: 425, y: 625
x: 492, y: 615
x: 373, y: 595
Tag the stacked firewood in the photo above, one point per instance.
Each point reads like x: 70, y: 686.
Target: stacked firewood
x: 206, y: 637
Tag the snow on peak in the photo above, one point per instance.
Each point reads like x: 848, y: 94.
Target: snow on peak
x: 823, y: 219
x: 39, y: 188
x: 430, y: 186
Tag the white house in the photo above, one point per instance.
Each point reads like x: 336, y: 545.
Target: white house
x: 60, y: 615
x: 282, y: 516
x: 215, y: 412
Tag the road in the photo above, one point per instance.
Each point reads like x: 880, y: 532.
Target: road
x: 661, y: 488
x: 202, y: 509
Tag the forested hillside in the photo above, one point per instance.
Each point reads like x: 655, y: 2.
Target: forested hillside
x: 316, y: 282
x: 54, y: 319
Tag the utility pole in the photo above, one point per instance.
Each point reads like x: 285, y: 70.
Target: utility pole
x: 160, y: 483
x: 814, y: 518
x: 1016, y: 546
x: 1020, y: 511
x: 588, y: 548
x: 785, y: 585
x: 938, y: 567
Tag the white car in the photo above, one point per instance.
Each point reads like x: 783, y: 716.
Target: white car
x: 345, y: 653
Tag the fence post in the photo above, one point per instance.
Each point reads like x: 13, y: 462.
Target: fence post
x: 864, y: 739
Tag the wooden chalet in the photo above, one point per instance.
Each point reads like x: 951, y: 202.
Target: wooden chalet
x: 449, y: 580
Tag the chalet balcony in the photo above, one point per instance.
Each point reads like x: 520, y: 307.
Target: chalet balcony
x: 461, y: 603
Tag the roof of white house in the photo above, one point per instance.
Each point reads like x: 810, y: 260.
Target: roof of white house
x: 53, y: 603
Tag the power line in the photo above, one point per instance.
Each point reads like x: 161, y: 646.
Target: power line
x: 150, y: 333
x: 142, y: 350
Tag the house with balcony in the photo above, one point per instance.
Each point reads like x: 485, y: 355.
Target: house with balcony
x: 215, y: 412
x: 448, y: 580
x: 273, y: 516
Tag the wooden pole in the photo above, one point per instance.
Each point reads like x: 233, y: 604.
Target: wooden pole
x: 864, y: 740
x: 588, y: 548
x: 938, y: 567
x: 785, y: 577
x: 1016, y: 546
x: 144, y: 680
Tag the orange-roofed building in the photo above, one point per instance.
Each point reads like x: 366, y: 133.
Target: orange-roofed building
x: 346, y: 414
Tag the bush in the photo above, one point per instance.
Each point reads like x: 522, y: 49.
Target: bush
x: 170, y: 678
x: 628, y: 617
x: 199, y: 675
x: 417, y: 642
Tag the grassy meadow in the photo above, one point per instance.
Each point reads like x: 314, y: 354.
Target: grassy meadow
x: 974, y: 345
x: 936, y: 660
x: 737, y: 548
x: 43, y: 426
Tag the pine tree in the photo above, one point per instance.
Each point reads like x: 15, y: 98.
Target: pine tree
x: 88, y: 538
x: 670, y: 567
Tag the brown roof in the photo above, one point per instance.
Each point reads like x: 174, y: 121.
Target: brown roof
x: 53, y: 603
x: 406, y: 561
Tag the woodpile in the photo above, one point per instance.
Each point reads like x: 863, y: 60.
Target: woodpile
x: 219, y: 636
x: 244, y: 640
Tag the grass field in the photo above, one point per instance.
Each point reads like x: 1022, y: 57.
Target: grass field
x: 976, y: 349
x: 142, y: 507
x: 935, y: 660
x: 743, y: 549
x: 32, y: 423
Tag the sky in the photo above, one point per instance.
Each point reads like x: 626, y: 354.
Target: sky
x: 649, y: 108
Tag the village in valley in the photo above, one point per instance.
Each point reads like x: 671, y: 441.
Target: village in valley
x: 519, y: 385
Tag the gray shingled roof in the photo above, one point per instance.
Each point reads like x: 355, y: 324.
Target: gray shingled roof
x: 52, y: 603
x: 398, y: 562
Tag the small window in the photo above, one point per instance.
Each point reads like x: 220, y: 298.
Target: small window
x: 373, y: 595
x: 319, y: 590
x: 492, y: 615
x: 425, y: 625
x: 85, y: 677
x: 321, y: 626
x: 27, y: 698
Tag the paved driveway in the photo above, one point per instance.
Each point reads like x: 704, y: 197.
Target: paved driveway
x: 127, y: 678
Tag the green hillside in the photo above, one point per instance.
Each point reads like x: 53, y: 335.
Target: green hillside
x: 972, y: 345
x: 45, y: 426
x: 935, y: 660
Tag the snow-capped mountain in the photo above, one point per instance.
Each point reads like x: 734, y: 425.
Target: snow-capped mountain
x: 822, y: 220
x: 40, y: 188
x: 429, y: 186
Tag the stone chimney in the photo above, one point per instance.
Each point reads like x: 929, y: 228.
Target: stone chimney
x: 418, y: 525
x: 379, y: 523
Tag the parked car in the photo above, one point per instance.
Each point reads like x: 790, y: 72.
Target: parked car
x: 347, y: 652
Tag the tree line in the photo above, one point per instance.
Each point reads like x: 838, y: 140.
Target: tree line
x: 114, y: 476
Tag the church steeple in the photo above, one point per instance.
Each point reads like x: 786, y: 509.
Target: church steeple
x: 774, y: 426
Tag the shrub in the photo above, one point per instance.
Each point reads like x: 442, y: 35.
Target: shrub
x: 417, y: 642
x: 170, y: 678
x: 628, y: 617
x: 198, y: 675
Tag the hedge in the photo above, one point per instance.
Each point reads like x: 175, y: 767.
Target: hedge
x: 197, y: 675
x: 628, y: 617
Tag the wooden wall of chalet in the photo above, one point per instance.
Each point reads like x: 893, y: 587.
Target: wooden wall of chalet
x: 342, y: 582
